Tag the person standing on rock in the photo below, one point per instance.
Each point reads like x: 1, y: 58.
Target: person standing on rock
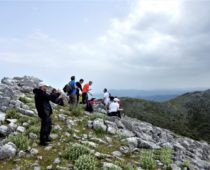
x: 72, y: 97
x: 79, y: 88
x: 106, y: 98
x: 86, y: 89
x: 44, y: 109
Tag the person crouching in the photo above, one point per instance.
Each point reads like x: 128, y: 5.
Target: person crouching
x: 114, y: 108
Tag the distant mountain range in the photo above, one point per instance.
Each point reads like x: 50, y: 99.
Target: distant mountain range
x: 187, y: 114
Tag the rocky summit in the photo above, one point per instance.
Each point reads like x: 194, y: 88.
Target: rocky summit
x: 84, y: 141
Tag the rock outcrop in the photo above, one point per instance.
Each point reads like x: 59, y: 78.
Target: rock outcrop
x: 12, y: 89
x: 140, y: 135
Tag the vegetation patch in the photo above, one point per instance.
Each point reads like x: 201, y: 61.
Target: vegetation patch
x: 147, y: 160
x: 25, y: 100
x: 75, y: 151
x: 77, y: 111
x: 12, y: 114
x: 20, y: 140
x: 85, y: 162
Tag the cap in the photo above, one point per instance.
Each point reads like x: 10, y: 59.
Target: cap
x: 41, y: 84
x: 116, y: 99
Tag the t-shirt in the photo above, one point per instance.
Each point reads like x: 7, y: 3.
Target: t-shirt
x: 113, y: 107
x: 106, y: 98
x: 79, y: 87
x: 73, y: 85
x: 85, y: 88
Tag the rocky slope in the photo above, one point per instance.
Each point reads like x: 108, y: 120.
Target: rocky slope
x: 110, y: 143
x: 191, y: 111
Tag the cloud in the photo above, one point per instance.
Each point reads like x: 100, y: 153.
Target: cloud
x: 159, y: 44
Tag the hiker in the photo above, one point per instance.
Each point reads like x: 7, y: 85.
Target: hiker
x: 73, y: 91
x: 114, y: 108
x: 58, y: 97
x: 106, y: 98
x: 86, y: 89
x: 90, y: 105
x: 44, y: 109
x: 79, y: 88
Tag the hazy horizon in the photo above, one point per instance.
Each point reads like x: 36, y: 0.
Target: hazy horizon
x: 118, y: 44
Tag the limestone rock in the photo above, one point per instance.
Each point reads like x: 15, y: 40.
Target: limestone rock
x: 4, y: 130
x: 7, y: 151
x: 107, y: 166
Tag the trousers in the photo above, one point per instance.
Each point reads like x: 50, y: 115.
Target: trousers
x: 46, y: 127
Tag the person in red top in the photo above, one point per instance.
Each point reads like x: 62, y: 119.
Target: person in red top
x: 85, y: 90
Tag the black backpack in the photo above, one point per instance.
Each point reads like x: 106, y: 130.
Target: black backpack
x: 68, y: 88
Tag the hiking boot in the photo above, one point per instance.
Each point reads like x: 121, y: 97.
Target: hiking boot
x: 43, y: 143
x: 49, y: 139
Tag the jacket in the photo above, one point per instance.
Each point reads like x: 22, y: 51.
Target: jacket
x: 42, y: 102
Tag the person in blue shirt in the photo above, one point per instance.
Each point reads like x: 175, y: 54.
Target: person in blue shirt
x: 73, y: 97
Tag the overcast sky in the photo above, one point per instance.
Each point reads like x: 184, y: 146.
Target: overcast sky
x: 118, y: 44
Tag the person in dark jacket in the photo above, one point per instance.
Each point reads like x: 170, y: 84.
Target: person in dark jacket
x: 44, y: 109
x: 79, y: 88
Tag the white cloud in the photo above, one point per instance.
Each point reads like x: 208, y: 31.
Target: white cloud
x: 160, y: 44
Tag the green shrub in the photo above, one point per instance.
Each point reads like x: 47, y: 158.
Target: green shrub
x: 75, y: 151
x: 25, y: 100
x: 33, y: 129
x: 23, y: 119
x: 147, y: 160
x: 85, y: 162
x: 185, y: 164
x: 12, y: 114
x: 20, y: 140
x: 99, y: 132
x: 77, y: 111
x: 34, y: 121
x: 165, y: 156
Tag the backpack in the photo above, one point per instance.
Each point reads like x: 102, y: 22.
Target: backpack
x: 68, y: 88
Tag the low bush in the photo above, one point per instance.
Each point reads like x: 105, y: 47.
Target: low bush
x: 165, y: 156
x: 20, y: 140
x: 85, y: 162
x: 147, y: 160
x: 77, y: 111
x: 12, y: 114
x: 75, y: 151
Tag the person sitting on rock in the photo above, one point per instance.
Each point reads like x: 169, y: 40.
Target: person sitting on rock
x: 44, y: 109
x: 114, y: 108
x: 90, y: 105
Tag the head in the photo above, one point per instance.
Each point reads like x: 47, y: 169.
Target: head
x: 90, y: 83
x: 81, y: 81
x: 43, y: 86
x: 105, y: 90
x: 111, y: 98
x: 72, y: 77
x: 53, y: 90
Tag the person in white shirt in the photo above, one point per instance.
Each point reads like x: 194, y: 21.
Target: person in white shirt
x: 114, y: 107
x: 106, y: 98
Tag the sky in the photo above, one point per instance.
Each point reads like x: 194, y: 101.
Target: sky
x: 118, y: 44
